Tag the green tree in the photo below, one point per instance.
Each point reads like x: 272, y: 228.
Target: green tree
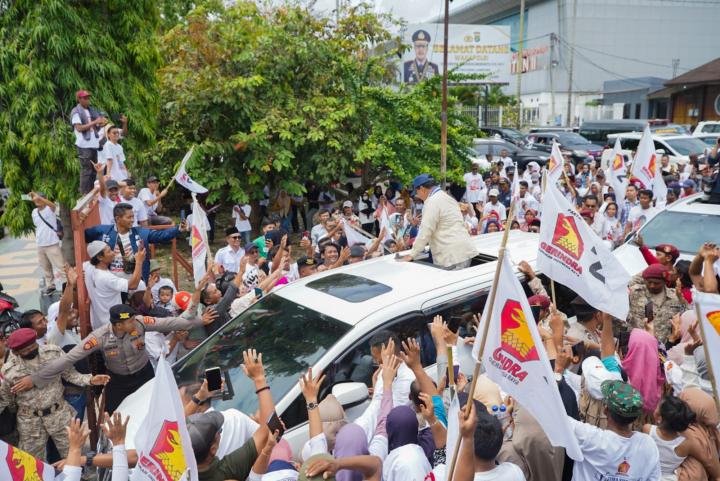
x: 282, y: 96
x: 48, y: 50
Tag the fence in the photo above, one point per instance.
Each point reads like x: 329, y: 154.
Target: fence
x: 536, y: 116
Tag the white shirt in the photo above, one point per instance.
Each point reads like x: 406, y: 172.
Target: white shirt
x: 608, y: 455
x: 317, y: 233
x: 139, y: 210
x: 498, y: 208
x: 114, y: 152
x: 507, y: 162
x: 229, y: 258
x: 523, y: 204
x: 146, y: 196
x: 44, y: 235
x: 242, y: 225
x: 162, y: 282
x: 475, y: 188
x: 106, y: 206
x: 104, y: 290
x: 93, y: 142
x: 501, y: 472
x: 53, y: 335
x: 406, y: 463
x: 639, y: 216
x: 236, y: 430
x: 251, y: 278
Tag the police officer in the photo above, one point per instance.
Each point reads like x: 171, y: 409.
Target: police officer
x: 122, y: 343
x: 42, y: 412
x: 420, y: 68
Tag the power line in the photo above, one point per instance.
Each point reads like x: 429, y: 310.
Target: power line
x: 636, y: 60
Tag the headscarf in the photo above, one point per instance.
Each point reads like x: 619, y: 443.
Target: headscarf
x: 333, y: 419
x: 677, y: 353
x: 704, y: 431
x: 402, y: 427
x: 491, y: 221
x: 350, y: 441
x: 643, y: 368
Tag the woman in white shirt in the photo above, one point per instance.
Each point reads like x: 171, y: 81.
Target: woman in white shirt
x: 113, y: 155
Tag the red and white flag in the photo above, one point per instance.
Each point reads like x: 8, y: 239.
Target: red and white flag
x: 163, y: 443
x: 199, y: 241
x: 182, y: 177
x: 555, y: 164
x: 646, y: 167
x: 17, y: 465
x: 516, y: 360
x: 617, y: 172
x: 516, y: 185
x: 709, y: 306
x: 573, y: 255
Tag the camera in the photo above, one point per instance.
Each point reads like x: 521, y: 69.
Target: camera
x: 129, y: 264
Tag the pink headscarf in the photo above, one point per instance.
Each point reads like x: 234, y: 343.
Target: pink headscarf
x: 643, y: 368
x: 677, y: 353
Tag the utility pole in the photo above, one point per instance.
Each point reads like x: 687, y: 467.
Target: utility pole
x: 571, y: 47
x: 519, y: 67
x: 443, y: 117
x: 675, y: 66
x: 551, y: 70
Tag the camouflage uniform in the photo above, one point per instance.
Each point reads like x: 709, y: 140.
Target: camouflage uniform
x: 663, y: 312
x: 42, y: 412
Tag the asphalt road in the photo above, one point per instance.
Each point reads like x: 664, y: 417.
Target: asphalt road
x: 20, y: 273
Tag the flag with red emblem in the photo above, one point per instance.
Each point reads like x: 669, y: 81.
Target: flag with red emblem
x: 573, y: 255
x: 516, y: 360
x: 708, y: 305
x: 555, y: 164
x: 617, y: 172
x: 163, y: 444
x: 17, y: 465
x: 199, y: 241
x: 646, y: 167
x: 183, y: 178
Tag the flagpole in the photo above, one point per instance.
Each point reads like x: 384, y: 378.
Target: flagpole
x: 708, y: 362
x: 486, y: 326
x: 552, y: 282
x: 382, y: 243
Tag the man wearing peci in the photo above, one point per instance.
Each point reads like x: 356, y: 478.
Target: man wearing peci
x: 420, y: 68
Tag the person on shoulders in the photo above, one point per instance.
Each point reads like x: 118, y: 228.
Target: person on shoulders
x: 152, y: 197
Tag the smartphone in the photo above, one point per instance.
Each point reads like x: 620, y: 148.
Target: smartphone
x: 649, y: 314
x: 306, y: 234
x: 274, y: 424
x: 456, y: 373
x: 214, y: 379
x: 182, y: 215
x: 25, y: 197
x: 258, y: 292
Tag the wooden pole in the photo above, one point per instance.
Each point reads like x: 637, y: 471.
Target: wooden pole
x: 443, y: 115
x: 552, y: 282
x: 708, y: 362
x: 478, y: 361
x: 451, y: 371
x: 519, y: 65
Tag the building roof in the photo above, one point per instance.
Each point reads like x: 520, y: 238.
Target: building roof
x: 632, y: 84
x: 707, y: 73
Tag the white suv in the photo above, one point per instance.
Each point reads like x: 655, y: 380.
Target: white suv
x: 678, y: 147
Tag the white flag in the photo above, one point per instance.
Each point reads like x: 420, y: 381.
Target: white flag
x: 385, y: 223
x: 182, y: 177
x: 709, y: 305
x: 617, y: 172
x: 573, y: 255
x: 199, y: 241
x: 163, y: 444
x: 354, y: 236
x: 17, y: 465
x: 646, y: 169
x: 555, y: 164
x: 516, y: 360
x: 453, y: 427
x: 516, y: 185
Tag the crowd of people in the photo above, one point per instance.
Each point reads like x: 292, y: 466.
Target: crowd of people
x: 637, y: 391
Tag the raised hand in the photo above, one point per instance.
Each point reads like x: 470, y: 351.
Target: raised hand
x: 310, y: 386
x: 411, y: 353
x: 253, y: 365
x: 114, y: 428
x: 209, y: 316
x: 389, y: 370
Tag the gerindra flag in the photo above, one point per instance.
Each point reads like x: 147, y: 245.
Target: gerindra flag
x: 199, y: 241
x: 555, y: 164
x: 182, y: 177
x: 646, y: 168
x: 17, y: 465
x: 709, y: 306
x: 573, y: 255
x: 163, y: 443
x: 617, y: 172
x: 516, y: 360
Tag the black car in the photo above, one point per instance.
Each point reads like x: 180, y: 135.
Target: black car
x: 511, y: 135
x: 580, y: 149
x: 481, y: 147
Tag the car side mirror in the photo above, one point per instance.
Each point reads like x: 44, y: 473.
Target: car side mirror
x: 349, y: 393
x: 660, y: 151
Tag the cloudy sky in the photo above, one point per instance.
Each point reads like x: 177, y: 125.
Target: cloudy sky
x: 413, y: 11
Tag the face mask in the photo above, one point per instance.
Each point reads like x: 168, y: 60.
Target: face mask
x: 31, y: 355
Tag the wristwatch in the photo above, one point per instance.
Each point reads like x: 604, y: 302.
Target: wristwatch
x: 197, y: 400
x: 311, y: 406
x: 558, y: 376
x: 89, y: 457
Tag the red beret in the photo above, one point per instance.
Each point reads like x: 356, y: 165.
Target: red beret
x: 668, y: 249
x: 23, y: 337
x: 539, y: 300
x: 656, y: 271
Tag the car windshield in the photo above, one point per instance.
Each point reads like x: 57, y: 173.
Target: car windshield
x: 685, y: 230
x: 484, y: 148
x: 290, y: 337
x: 711, y: 141
x: 513, y: 134
x: 570, y: 138
x: 687, y: 146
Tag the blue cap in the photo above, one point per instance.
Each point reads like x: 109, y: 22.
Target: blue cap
x: 688, y: 184
x: 421, y: 179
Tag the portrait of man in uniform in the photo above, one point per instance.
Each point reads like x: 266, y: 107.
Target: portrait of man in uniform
x: 420, y: 68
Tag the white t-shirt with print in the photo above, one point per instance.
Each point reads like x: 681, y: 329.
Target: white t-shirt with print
x: 498, y: 208
x: 106, y: 206
x: 242, y: 225
x: 146, y: 195
x: 609, y: 456
x: 114, y: 152
x: 474, y: 188
x: 93, y: 142
x: 138, y: 209
x: 251, y: 278
x: 639, y: 216
x: 104, y: 290
x: 44, y: 235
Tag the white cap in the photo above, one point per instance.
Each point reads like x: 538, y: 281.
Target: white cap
x: 493, y: 192
x: 595, y: 374
x: 95, y: 247
x: 347, y: 203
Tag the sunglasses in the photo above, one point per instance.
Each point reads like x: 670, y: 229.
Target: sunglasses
x: 234, y: 237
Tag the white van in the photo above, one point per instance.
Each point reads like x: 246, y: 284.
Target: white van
x: 325, y: 322
x: 678, y: 147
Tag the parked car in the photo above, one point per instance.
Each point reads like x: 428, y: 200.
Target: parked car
x: 481, y: 147
x: 511, y: 135
x: 325, y: 322
x: 678, y: 147
x: 707, y: 127
x: 535, y: 130
x: 580, y: 149
x: 710, y: 139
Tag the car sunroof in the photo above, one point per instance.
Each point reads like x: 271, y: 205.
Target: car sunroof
x: 349, y: 288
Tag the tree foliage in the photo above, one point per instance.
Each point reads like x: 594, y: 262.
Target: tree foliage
x: 281, y: 96
x: 48, y: 50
